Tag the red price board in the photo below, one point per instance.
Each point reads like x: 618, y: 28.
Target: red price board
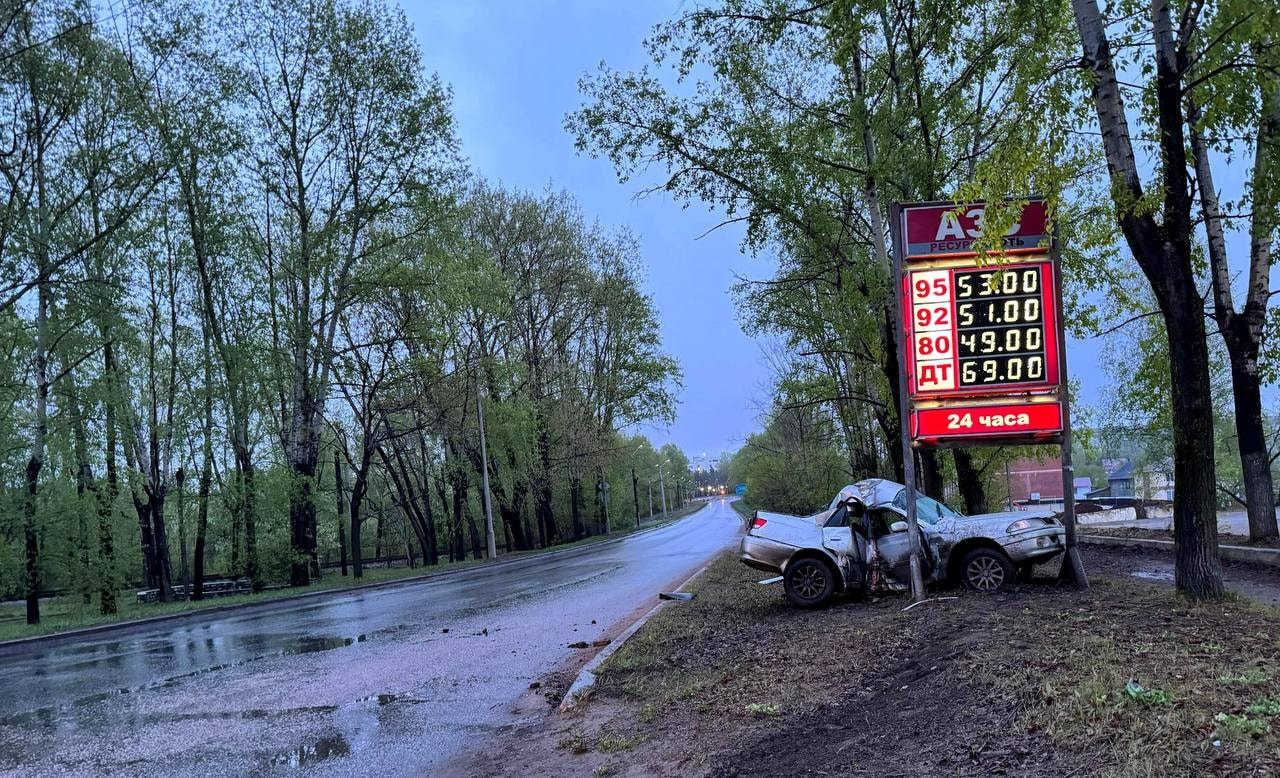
x: 981, y: 330
x: 982, y: 421
x: 980, y: 347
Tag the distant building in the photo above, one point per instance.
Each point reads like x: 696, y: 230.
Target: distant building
x: 1034, y: 480
x: 1152, y: 481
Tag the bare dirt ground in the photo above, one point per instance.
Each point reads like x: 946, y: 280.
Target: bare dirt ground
x: 1033, y: 682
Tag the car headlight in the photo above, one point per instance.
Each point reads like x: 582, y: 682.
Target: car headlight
x: 1021, y: 525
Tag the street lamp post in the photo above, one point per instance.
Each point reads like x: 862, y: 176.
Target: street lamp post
x: 662, y: 486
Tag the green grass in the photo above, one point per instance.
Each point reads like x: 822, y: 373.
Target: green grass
x: 68, y: 612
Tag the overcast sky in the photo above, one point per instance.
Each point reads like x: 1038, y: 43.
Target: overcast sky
x: 514, y: 67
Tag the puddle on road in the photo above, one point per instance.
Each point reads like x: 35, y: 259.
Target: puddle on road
x: 311, y: 644
x: 330, y: 747
x: 274, y: 645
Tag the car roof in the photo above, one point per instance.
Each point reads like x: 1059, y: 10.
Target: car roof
x: 873, y: 492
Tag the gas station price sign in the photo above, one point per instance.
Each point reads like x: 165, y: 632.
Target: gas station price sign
x: 980, y: 339
x: 977, y: 330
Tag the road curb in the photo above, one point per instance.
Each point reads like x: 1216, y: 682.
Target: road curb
x: 586, y: 679
x: 267, y: 605
x: 1257, y: 556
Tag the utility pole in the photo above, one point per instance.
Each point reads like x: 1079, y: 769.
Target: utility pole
x: 650, y: 485
x: 484, y: 467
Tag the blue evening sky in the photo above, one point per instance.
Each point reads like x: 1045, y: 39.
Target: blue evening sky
x: 514, y: 67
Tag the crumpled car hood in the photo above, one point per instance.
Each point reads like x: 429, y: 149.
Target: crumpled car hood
x: 1008, y: 516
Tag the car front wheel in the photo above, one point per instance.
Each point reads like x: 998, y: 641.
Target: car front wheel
x: 986, y: 570
x: 809, y: 582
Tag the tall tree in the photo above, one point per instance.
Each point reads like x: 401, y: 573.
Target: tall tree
x: 350, y: 130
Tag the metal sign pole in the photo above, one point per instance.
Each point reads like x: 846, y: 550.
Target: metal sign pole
x: 1072, y: 565
x: 904, y: 405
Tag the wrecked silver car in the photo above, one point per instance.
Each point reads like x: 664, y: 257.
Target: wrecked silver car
x: 860, y: 543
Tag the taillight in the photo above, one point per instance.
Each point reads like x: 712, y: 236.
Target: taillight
x: 758, y: 523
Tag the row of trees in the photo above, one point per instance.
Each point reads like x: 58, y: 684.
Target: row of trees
x: 245, y: 267
x: 804, y: 120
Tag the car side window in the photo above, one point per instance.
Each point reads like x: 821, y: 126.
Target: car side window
x: 840, y: 518
x: 928, y: 510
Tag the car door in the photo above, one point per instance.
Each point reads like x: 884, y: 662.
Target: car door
x: 836, y: 535
x: 895, y: 547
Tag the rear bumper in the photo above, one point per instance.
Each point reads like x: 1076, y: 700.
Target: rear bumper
x: 764, y: 554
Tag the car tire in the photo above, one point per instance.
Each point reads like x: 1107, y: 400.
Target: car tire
x: 986, y: 570
x: 809, y: 582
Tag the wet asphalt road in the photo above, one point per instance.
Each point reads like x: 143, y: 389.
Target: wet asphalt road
x: 356, y: 684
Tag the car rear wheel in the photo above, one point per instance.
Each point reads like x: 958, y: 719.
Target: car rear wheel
x: 986, y: 570
x: 809, y: 582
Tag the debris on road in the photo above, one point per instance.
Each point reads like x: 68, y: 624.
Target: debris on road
x: 931, y: 599
x: 676, y: 596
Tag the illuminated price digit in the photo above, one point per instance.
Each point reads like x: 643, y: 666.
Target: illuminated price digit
x: 1031, y: 309
x: 964, y: 287
x: 1009, y: 282
x: 988, y: 342
x: 1033, y: 339
x: 1035, y: 368
x: 1030, y: 281
x: 969, y: 340
x: 1013, y: 370
x: 966, y: 314
x: 1013, y: 339
x: 989, y: 370
x: 1011, y: 309
x: 968, y: 373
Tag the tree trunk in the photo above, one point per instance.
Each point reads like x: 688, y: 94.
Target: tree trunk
x: 143, y: 512
x: 432, y: 551
x: 202, y: 517
x: 1163, y: 251
x: 302, y: 510
x: 635, y: 494
x: 358, y: 487
x: 575, y: 506
x: 547, y: 534
x: 459, y: 482
x: 970, y: 482
x: 478, y: 546
x: 444, y: 508
x: 1255, y: 460
x: 930, y: 473
x: 107, y: 500
x: 1198, y: 571
x: 164, y: 575
x: 342, y: 532
x: 247, y: 514
x: 84, y: 486
x: 1242, y: 332
x: 182, y: 533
